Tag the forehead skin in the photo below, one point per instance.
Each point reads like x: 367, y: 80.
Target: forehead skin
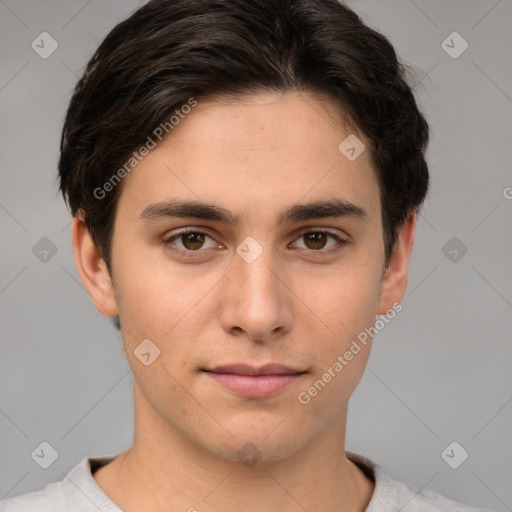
x: 254, y: 155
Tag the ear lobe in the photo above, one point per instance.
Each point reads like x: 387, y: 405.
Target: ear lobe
x: 92, y: 269
x: 394, y: 282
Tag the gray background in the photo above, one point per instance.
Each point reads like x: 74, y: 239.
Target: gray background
x: 439, y: 372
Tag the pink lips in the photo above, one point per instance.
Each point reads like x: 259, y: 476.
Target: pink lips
x: 253, y: 382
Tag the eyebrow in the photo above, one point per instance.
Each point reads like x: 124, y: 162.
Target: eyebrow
x: 206, y: 211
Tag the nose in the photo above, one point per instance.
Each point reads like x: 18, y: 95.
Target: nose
x: 257, y: 303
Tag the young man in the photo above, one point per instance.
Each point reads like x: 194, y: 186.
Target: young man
x: 244, y: 177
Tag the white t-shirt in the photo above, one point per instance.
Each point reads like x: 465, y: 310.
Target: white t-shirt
x: 79, y: 492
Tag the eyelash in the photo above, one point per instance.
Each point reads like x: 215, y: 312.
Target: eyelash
x: 189, y: 253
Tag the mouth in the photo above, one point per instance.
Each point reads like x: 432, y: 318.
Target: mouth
x: 255, y: 382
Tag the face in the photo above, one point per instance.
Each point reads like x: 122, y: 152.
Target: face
x: 280, y: 264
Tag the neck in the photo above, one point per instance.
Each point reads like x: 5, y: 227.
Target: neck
x: 164, y: 470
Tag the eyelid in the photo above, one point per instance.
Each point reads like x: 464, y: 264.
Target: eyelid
x: 168, y: 238
x: 341, y: 241
x: 318, y: 229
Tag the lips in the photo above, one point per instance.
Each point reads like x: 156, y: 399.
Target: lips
x: 246, y: 369
x: 254, y: 382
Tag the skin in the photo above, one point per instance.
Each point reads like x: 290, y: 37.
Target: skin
x: 298, y: 304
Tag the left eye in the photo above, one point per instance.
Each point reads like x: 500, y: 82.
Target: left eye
x: 317, y: 240
x: 193, y: 241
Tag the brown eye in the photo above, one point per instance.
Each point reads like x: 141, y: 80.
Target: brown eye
x: 192, y: 241
x: 315, y: 240
x: 189, y: 241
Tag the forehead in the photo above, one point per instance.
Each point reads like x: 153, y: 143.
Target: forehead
x: 266, y: 150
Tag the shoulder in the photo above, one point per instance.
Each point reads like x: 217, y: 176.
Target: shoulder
x: 77, y: 492
x: 412, y: 499
x: 49, y: 499
x: 393, y: 495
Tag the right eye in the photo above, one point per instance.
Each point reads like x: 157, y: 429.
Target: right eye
x: 191, y: 240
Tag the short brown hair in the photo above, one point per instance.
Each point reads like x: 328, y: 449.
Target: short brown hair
x: 168, y: 51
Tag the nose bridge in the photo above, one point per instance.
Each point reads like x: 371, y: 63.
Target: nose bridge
x: 255, y: 270
x: 256, y: 300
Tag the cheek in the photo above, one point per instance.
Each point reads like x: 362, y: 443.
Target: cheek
x: 348, y: 306
x: 162, y: 301
x: 347, y: 300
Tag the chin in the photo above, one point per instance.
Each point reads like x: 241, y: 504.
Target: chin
x: 258, y: 448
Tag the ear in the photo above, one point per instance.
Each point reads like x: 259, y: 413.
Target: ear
x: 92, y: 269
x: 394, y: 281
